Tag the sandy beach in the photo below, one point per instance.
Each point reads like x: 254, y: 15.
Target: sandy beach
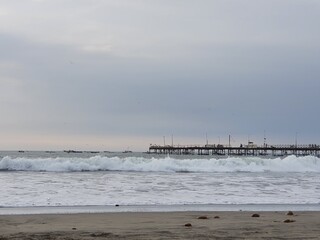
x: 170, y: 225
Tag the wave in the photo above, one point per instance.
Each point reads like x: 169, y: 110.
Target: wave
x: 167, y: 164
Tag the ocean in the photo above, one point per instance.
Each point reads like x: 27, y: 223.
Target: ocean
x: 60, y: 180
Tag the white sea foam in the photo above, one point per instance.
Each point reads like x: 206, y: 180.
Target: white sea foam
x: 39, y: 179
x: 167, y: 164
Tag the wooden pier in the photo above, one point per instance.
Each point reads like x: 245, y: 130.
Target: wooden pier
x: 242, y: 150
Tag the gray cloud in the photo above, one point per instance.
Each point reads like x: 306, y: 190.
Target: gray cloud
x: 146, y: 69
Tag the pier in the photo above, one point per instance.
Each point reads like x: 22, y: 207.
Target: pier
x: 242, y: 150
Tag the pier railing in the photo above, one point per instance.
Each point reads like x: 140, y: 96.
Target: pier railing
x: 282, y: 146
x: 297, y: 146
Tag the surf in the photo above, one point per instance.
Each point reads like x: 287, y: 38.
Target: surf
x: 165, y: 164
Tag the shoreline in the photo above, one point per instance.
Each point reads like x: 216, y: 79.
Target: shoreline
x: 162, y: 225
x: 158, y: 208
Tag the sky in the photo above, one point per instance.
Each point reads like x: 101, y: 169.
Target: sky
x: 122, y: 74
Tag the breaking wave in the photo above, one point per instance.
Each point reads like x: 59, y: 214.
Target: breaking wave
x: 166, y: 164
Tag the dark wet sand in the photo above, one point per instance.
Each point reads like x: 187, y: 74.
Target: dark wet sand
x: 170, y: 225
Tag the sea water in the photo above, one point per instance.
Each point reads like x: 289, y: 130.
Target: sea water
x: 60, y: 179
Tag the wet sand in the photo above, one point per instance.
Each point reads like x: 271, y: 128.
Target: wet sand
x: 162, y: 225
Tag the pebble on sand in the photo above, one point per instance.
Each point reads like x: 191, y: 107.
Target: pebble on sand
x: 255, y: 215
x: 289, y: 221
x: 290, y: 213
x: 188, y: 225
x: 203, y: 217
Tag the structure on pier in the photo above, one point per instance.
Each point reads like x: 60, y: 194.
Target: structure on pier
x: 243, y: 150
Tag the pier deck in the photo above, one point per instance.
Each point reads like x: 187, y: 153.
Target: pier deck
x: 272, y: 150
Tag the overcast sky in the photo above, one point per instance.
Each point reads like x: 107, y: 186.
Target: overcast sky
x: 121, y: 74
